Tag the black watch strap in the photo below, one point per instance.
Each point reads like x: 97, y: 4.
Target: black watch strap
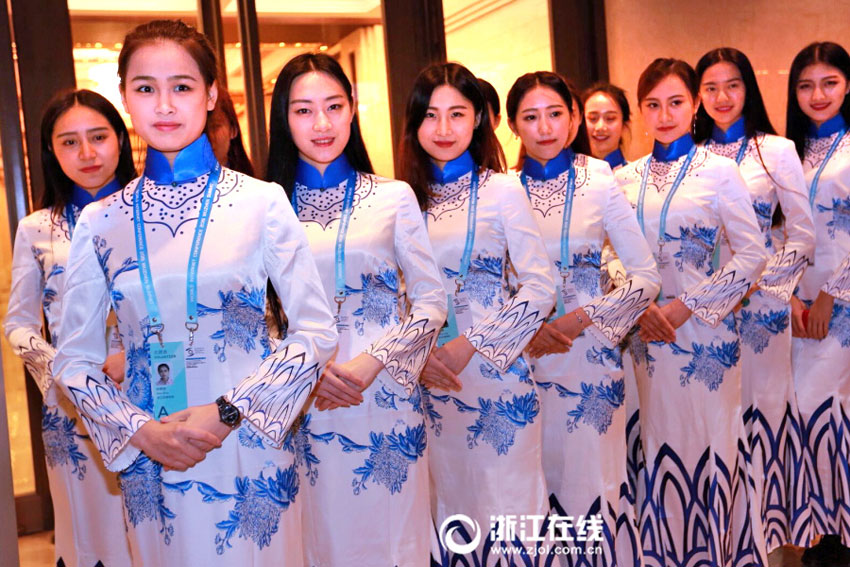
x: 228, y: 414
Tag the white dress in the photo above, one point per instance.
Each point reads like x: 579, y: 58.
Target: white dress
x: 771, y: 168
x: 822, y: 368
x: 240, y: 505
x: 583, y: 391
x: 696, y: 508
x: 486, y: 440
x: 371, y: 460
x: 87, y: 513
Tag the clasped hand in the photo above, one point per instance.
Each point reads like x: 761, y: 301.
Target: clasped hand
x: 557, y: 337
x: 445, y: 363
x: 342, y: 385
x: 660, y: 323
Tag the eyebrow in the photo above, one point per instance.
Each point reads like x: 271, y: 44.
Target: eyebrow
x: 171, y: 78
x: 726, y: 81
x: 309, y: 100
x: 461, y: 106
x: 89, y: 131
x: 544, y: 108
x: 833, y: 76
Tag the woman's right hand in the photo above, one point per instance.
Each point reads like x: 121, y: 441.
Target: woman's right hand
x: 798, y: 329
x: 548, y: 340
x: 114, y: 367
x: 176, y: 446
x: 654, y: 326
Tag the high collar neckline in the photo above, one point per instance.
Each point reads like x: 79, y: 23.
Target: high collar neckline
x: 190, y: 163
x: 553, y: 168
x: 735, y: 132
x: 675, y: 150
x: 80, y: 197
x: 828, y: 128
x: 454, y: 169
x: 310, y: 177
x: 615, y: 158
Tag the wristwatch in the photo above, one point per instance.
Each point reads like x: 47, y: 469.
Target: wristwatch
x: 228, y: 413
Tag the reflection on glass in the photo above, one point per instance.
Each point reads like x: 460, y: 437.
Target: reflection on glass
x: 499, y: 41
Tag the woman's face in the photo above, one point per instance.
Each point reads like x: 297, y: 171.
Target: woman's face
x: 319, y: 116
x: 668, y: 110
x: 449, y: 123
x: 604, y: 121
x: 543, y: 123
x: 166, y: 97
x: 723, y: 93
x: 821, y: 89
x: 86, y: 147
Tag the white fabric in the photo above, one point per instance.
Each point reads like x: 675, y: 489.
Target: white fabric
x: 241, y: 503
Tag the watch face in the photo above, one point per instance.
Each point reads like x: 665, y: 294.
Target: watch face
x: 229, y: 414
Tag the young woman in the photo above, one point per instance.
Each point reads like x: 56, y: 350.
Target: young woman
x: 485, y: 449
x: 368, y: 454
x: 85, y: 155
x: 817, y: 122
x: 733, y: 122
x: 687, y: 358
x: 578, y: 206
x: 205, y: 321
x: 606, y: 115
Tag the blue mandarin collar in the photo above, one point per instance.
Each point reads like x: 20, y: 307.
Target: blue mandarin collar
x: 190, y: 163
x: 553, y: 168
x: 733, y: 134
x: 335, y: 173
x: 828, y: 128
x: 454, y: 169
x: 80, y: 197
x: 675, y: 150
x: 615, y: 158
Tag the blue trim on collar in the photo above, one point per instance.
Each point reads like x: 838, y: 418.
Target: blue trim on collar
x: 190, y: 163
x: 454, y: 169
x: 675, y: 150
x: 335, y: 173
x: 553, y: 168
x: 735, y: 132
x: 80, y: 197
x: 828, y: 128
x: 615, y: 158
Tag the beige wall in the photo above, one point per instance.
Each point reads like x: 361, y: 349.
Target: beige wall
x: 499, y: 40
x: 770, y: 32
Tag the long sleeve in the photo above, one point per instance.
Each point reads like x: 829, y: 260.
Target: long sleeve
x: 714, y: 297
x: 613, y: 270
x: 272, y: 397
x: 405, y: 347
x: 109, y: 416
x: 838, y: 285
x: 23, y: 323
x: 786, y: 267
x: 503, y: 334
x: 614, y: 313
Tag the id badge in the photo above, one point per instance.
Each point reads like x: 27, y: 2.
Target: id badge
x: 662, y: 258
x: 459, y: 318
x: 168, y: 378
x: 567, y: 300
x: 341, y: 320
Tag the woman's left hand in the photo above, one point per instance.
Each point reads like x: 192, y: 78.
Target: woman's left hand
x: 202, y: 417
x: 114, y: 367
x: 820, y: 314
x: 676, y: 313
x: 359, y: 373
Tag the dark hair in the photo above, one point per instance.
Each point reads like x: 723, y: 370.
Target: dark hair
x: 415, y: 163
x: 491, y: 95
x: 283, y: 153
x: 160, y: 367
x: 754, y: 111
x: 664, y: 67
x: 57, y: 185
x: 615, y: 93
x: 224, y: 112
x: 190, y: 39
x: 562, y: 88
x: 796, y: 121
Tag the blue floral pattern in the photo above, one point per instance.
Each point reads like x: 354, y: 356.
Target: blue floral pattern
x: 640, y: 354
x: 758, y: 327
x: 597, y: 403
x: 141, y: 485
x: 298, y: 441
x: 127, y: 265
x: 432, y: 416
x: 48, y: 294
x: 60, y: 442
x: 764, y: 216
x: 600, y: 355
x: 390, y: 455
x: 498, y: 420
x: 586, y: 271
x: 519, y: 369
x: 484, y: 280
x: 839, y: 324
x: 840, y: 216
x: 380, y: 299
x: 695, y: 247
x: 243, y: 321
x: 139, y: 375
x: 708, y: 363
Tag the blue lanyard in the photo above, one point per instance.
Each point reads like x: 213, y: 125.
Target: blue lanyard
x: 564, y: 269
x: 742, y: 152
x: 156, y: 325
x: 814, y: 188
x: 72, y: 220
x: 662, y: 228
x: 471, y: 215
x: 339, y: 250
